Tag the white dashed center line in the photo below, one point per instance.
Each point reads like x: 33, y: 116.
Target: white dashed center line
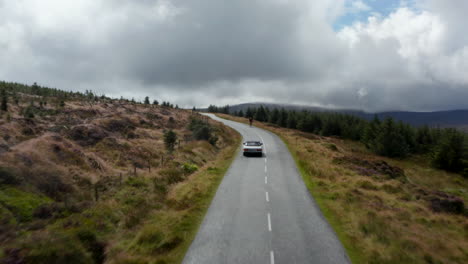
x: 266, y: 180
x: 266, y: 196
x: 272, y: 257
x: 269, y: 222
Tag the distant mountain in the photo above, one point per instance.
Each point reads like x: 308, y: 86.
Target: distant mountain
x: 452, y: 118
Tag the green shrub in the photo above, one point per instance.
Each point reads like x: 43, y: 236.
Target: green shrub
x: 213, y: 140
x: 21, y: 204
x: 189, y: 168
x: 136, y: 182
x: 172, y: 175
x: 29, y: 112
x: 202, y: 131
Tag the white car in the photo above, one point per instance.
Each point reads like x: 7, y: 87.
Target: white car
x: 253, y: 148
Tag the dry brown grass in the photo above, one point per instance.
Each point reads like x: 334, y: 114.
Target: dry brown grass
x: 379, y: 219
x: 113, y: 153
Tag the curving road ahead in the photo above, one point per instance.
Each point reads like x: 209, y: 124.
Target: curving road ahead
x: 263, y: 213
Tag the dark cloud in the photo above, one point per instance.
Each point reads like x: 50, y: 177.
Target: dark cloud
x: 206, y: 51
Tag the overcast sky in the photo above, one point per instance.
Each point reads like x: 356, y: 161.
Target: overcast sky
x: 373, y: 55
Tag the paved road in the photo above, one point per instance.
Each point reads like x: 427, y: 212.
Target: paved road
x: 263, y: 213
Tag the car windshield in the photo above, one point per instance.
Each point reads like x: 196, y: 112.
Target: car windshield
x: 253, y: 143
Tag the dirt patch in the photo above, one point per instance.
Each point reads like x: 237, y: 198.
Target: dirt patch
x: 441, y: 202
x: 452, y: 205
x: 87, y: 135
x: 370, y: 167
x: 123, y: 125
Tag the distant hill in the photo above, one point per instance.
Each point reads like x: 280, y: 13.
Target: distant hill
x: 452, y: 118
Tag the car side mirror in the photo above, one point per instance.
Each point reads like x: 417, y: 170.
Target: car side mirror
x: 261, y: 144
x: 243, y: 143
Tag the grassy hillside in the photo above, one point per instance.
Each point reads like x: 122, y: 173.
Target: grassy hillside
x: 86, y: 179
x: 384, y: 210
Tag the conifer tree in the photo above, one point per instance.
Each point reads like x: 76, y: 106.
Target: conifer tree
x: 450, y: 151
x: 170, y: 139
x: 4, y: 99
x: 291, y: 121
x: 260, y: 114
x: 273, y: 118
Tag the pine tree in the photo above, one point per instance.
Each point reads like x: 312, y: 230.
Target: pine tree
x: 282, y: 119
x: 4, y: 104
x: 260, y: 114
x: 450, y: 151
x: 291, y: 121
x: 170, y: 139
x: 147, y: 101
x: 370, y: 132
x: 249, y: 113
x: 155, y: 102
x: 273, y: 118
x: 424, y: 139
x: 390, y: 141
x: 35, y: 89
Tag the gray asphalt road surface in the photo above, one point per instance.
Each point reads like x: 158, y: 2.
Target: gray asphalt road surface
x: 263, y: 213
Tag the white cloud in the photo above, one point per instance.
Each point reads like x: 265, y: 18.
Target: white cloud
x: 357, y: 6
x: 419, y: 38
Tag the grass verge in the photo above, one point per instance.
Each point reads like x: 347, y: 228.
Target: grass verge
x: 379, y: 215
x: 166, y: 234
